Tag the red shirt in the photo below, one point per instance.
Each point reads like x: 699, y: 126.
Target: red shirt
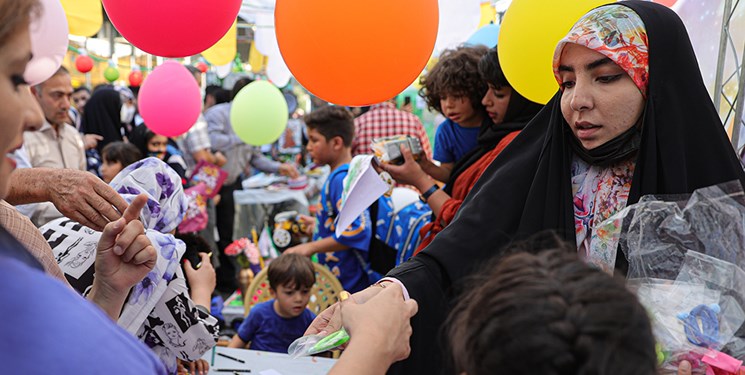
x: 384, y: 120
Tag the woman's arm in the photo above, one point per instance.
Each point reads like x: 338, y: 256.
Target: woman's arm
x: 411, y: 173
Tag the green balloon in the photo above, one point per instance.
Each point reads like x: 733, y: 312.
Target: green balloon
x: 111, y: 74
x: 259, y: 113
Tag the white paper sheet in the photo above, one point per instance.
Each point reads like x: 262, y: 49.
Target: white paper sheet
x: 362, y: 187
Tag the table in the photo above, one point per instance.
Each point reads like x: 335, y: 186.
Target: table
x: 262, y: 363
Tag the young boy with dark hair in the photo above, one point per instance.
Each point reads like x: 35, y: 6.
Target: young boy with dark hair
x: 454, y: 88
x: 273, y: 325
x: 330, y: 133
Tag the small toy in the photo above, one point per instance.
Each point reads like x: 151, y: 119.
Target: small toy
x: 705, y: 333
x: 313, y: 344
x: 388, y: 149
x: 288, y: 230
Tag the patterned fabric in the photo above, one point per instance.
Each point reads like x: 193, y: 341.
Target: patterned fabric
x: 196, y: 139
x: 166, y: 203
x: 598, y: 194
x: 158, y: 309
x: 384, y: 120
x: 29, y: 236
x: 617, y: 32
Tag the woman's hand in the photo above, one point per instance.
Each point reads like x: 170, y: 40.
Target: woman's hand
x: 202, y: 282
x: 383, y: 323
x: 329, y: 320
x: 198, y: 367
x: 408, y: 173
x: 288, y: 170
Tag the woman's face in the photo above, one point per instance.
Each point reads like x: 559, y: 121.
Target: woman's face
x: 599, y: 101
x: 156, y: 146
x: 18, y: 107
x: 496, y: 102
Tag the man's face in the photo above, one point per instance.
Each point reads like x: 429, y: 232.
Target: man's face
x: 54, y: 98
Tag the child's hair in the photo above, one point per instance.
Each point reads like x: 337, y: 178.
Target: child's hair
x: 220, y: 94
x: 550, y: 313
x: 457, y: 73
x: 332, y: 121
x: 124, y: 153
x: 491, y: 71
x: 291, y: 270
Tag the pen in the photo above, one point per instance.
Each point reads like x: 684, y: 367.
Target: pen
x: 212, y: 363
x: 231, y: 370
x: 229, y: 357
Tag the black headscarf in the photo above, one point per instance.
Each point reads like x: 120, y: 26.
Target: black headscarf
x: 519, y: 111
x: 102, y: 116
x: 528, y: 188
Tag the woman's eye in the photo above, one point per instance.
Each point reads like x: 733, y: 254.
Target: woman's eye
x: 567, y: 85
x: 611, y: 78
x: 18, y: 80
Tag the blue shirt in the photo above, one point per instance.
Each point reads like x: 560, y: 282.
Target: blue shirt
x: 268, y: 331
x: 348, y: 265
x: 47, y: 328
x: 452, y: 141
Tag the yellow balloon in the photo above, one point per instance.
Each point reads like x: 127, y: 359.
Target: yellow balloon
x: 528, y: 36
x: 84, y: 17
x: 256, y: 59
x: 488, y: 14
x: 225, y: 49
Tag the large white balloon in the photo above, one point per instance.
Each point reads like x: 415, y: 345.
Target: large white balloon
x: 222, y: 71
x: 459, y: 19
x: 48, y: 42
x: 278, y: 72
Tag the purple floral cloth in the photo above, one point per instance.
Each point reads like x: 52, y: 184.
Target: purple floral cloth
x: 166, y: 204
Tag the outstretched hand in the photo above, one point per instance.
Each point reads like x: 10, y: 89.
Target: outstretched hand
x: 85, y: 198
x: 125, y: 254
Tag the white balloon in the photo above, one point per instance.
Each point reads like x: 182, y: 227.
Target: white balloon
x: 49, y: 35
x: 222, y: 71
x: 278, y: 72
x: 459, y: 19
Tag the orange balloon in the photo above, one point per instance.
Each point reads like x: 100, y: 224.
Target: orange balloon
x: 357, y: 52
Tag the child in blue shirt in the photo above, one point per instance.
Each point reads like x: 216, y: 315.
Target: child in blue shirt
x: 330, y: 134
x: 454, y: 88
x: 273, y: 325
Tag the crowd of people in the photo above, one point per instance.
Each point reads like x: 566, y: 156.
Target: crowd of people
x: 92, y: 201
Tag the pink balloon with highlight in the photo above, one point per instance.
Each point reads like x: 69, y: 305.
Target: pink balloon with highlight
x: 48, y: 42
x: 170, y: 100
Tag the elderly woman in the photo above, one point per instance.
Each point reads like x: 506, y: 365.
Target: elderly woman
x: 632, y: 117
x: 52, y: 329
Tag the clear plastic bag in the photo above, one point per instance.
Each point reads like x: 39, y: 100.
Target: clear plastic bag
x: 686, y: 255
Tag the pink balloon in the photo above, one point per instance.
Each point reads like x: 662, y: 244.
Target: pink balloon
x: 170, y: 100
x: 48, y: 42
x: 172, y: 28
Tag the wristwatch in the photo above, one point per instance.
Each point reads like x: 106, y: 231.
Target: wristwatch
x: 428, y: 193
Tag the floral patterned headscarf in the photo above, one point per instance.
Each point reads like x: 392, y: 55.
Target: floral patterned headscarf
x: 617, y: 32
x: 166, y: 203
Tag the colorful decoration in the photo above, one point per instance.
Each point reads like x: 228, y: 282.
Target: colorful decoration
x: 172, y: 28
x: 84, y: 63
x: 485, y: 36
x: 202, y: 67
x: 111, y: 74
x: 259, y: 113
x: 357, y: 52
x: 48, y: 42
x: 529, y: 69
x: 225, y: 49
x: 135, y: 78
x: 85, y: 17
x: 170, y: 86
